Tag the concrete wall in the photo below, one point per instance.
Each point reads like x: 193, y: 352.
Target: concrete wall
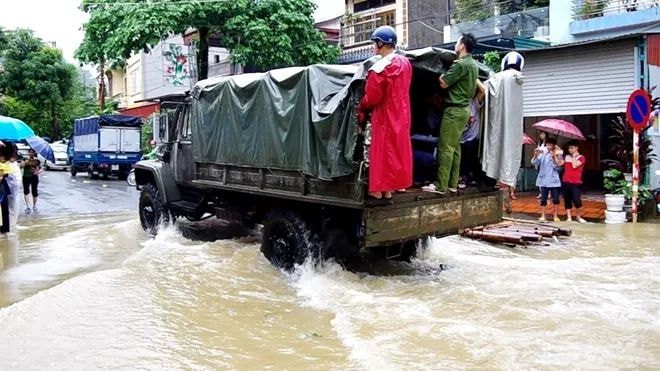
x: 219, y: 62
x: 426, y: 32
x: 134, y: 80
x: 560, y: 19
x: 158, y: 70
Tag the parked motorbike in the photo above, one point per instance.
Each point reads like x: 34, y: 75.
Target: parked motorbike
x: 130, y: 179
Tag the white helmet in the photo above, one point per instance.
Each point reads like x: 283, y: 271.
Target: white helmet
x: 513, y: 60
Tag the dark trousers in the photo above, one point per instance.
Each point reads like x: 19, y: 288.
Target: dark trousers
x: 572, y: 195
x: 554, y: 191
x: 470, y: 159
x: 4, y: 207
x: 31, y: 182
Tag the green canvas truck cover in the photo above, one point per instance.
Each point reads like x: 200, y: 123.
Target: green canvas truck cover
x: 299, y: 118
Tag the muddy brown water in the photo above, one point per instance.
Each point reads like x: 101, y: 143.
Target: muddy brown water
x: 94, y: 292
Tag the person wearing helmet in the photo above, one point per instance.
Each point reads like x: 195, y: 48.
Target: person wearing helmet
x: 505, y: 124
x: 387, y: 98
x: 461, y: 84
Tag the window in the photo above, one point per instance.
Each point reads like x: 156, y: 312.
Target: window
x: 184, y: 123
x: 370, y: 4
x: 134, y: 82
x: 365, y: 27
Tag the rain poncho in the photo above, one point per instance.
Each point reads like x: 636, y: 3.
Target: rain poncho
x: 387, y: 98
x: 503, y: 132
x: 14, y: 198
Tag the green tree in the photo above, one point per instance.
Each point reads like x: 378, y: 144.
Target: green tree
x: 493, y: 60
x: 260, y: 33
x: 472, y: 10
x: 4, y: 40
x: 42, y: 88
x: 36, y: 118
x: 277, y: 34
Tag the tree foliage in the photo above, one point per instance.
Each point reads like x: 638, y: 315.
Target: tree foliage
x: 4, y: 40
x: 40, y: 87
x: 493, y: 60
x: 278, y: 33
x: 260, y: 33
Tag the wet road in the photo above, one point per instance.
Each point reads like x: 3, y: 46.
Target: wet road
x: 86, y: 293
x: 64, y: 195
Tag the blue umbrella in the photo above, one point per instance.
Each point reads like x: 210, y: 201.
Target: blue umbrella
x: 14, y: 129
x: 42, y: 147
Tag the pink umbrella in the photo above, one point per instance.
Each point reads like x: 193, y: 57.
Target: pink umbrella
x: 560, y: 127
x: 527, y: 140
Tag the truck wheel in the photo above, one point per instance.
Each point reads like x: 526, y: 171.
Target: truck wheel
x: 153, y: 211
x: 409, y: 249
x: 73, y: 170
x: 287, y: 240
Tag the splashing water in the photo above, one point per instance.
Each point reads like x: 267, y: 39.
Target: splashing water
x: 104, y: 295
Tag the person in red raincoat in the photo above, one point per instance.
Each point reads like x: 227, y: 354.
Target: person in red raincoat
x: 387, y: 97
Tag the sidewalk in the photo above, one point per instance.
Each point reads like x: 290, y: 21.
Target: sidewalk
x: 593, y: 206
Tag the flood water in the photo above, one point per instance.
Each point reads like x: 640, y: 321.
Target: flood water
x: 102, y: 295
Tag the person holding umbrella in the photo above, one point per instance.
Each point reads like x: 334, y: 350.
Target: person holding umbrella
x: 31, y: 170
x: 548, y: 165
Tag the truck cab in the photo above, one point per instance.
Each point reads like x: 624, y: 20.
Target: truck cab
x: 220, y: 158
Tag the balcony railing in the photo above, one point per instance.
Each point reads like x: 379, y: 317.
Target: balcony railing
x: 587, y: 9
x: 526, y: 23
x: 356, y: 29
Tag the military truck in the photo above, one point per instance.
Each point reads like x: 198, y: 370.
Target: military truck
x: 284, y: 149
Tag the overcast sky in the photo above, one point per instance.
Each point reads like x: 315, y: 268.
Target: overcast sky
x: 61, y: 21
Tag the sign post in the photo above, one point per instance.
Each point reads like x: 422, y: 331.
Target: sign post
x: 638, y: 112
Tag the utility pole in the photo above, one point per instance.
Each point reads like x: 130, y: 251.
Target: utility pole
x: 102, y: 86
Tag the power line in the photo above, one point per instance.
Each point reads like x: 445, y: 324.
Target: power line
x: 406, y: 22
x: 156, y: 3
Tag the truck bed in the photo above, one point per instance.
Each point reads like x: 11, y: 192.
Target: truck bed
x: 418, y: 213
x: 408, y: 215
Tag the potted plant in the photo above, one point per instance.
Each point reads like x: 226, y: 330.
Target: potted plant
x: 619, y: 192
x: 621, y: 149
x: 615, y: 184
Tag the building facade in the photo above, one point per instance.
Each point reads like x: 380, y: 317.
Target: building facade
x: 167, y: 69
x: 597, y: 58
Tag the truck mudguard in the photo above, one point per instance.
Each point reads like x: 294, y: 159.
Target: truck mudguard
x: 161, y: 175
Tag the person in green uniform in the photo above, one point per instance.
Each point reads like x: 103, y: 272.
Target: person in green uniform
x: 461, y: 84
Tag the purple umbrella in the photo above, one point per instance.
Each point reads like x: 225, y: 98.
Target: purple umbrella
x: 42, y: 147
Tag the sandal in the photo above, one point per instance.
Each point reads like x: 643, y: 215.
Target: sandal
x: 376, y: 195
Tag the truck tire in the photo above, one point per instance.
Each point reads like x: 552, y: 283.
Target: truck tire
x: 153, y: 211
x: 288, y: 240
x: 73, y: 169
x: 408, y: 250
